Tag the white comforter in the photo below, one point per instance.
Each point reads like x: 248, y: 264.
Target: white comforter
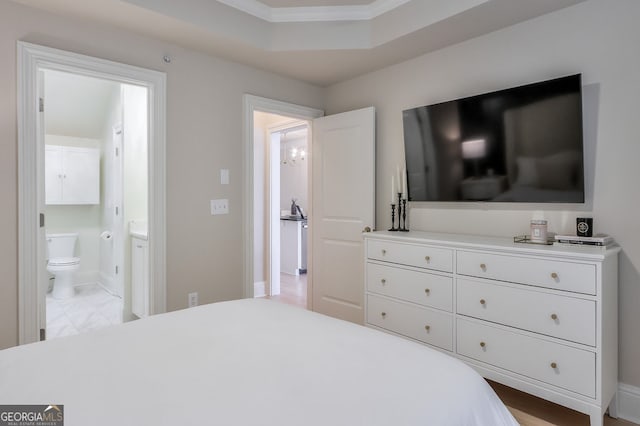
x: 247, y: 362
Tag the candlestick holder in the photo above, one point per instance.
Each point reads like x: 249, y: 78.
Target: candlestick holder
x: 393, y: 218
x: 403, y: 228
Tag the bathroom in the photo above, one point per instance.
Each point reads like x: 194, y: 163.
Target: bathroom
x: 96, y: 202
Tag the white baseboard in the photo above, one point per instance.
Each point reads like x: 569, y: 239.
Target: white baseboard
x: 107, y: 282
x: 260, y: 289
x: 628, y: 402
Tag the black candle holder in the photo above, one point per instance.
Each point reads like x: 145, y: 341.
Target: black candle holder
x: 403, y: 228
x: 393, y: 218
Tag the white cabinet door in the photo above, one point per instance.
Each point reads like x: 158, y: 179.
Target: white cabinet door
x: 139, y: 277
x: 72, y: 175
x: 53, y: 174
x: 290, y: 245
x: 81, y: 168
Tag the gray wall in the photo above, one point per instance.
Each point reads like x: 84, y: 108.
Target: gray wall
x: 204, y: 134
x: 597, y: 38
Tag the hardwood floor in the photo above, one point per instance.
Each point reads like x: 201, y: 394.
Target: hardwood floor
x: 532, y: 411
x: 527, y: 409
x: 293, y: 290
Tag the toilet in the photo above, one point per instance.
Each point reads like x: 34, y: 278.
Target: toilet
x: 62, y: 264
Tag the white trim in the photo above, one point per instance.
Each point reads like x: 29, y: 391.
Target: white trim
x: 259, y: 289
x: 628, y: 400
x: 315, y: 13
x: 251, y: 104
x: 31, y: 59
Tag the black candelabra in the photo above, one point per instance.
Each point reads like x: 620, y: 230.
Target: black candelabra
x: 393, y: 218
x: 403, y: 228
x: 402, y: 215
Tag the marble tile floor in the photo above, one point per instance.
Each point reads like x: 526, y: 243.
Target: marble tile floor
x: 92, y: 307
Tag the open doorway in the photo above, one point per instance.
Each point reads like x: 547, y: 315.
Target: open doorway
x: 280, y: 207
x: 266, y: 123
x: 146, y: 89
x: 95, y: 176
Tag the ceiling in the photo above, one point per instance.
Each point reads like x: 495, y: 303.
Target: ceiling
x: 314, y: 3
x: 318, y: 41
x: 76, y: 105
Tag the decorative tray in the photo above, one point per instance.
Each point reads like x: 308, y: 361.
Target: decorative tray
x: 526, y: 239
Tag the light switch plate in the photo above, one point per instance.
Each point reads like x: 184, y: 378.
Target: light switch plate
x: 220, y: 206
x: 224, y: 176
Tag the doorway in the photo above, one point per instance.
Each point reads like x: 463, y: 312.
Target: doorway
x: 342, y: 194
x: 281, y: 176
x: 265, y: 122
x: 148, y: 87
x: 95, y: 178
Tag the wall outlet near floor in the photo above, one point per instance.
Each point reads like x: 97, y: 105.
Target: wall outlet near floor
x: 219, y: 206
x: 193, y: 299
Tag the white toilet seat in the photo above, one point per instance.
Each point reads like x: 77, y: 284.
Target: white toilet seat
x: 64, y: 261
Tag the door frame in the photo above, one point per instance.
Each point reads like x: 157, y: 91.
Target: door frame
x: 253, y: 104
x: 31, y: 59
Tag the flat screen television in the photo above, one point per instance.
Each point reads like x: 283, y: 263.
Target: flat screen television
x: 522, y: 144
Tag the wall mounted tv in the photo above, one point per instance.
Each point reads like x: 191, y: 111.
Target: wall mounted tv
x: 522, y: 144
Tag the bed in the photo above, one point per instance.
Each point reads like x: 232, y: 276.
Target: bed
x: 247, y: 362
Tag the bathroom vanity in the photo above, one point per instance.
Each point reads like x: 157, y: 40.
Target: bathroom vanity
x: 139, y: 270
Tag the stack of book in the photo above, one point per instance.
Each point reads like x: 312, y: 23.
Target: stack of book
x: 598, y: 240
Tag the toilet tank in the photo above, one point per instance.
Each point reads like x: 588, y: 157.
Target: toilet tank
x: 61, y: 245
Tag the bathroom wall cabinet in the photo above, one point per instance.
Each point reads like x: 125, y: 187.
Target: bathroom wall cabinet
x: 139, y: 277
x: 72, y: 175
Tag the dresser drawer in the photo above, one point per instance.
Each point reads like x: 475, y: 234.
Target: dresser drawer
x: 559, y: 365
x: 428, y: 326
x: 568, y: 276
x: 423, y: 288
x: 564, y: 317
x: 438, y: 259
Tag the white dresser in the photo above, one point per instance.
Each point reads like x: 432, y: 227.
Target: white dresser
x: 542, y: 319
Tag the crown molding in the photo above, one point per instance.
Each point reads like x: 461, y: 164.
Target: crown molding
x: 314, y: 14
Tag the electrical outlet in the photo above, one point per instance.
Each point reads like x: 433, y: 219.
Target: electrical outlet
x: 220, y: 206
x: 193, y: 299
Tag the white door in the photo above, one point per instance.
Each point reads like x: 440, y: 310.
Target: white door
x: 116, y: 216
x: 343, y: 200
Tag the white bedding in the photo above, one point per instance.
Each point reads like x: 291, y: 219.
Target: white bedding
x: 247, y: 362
